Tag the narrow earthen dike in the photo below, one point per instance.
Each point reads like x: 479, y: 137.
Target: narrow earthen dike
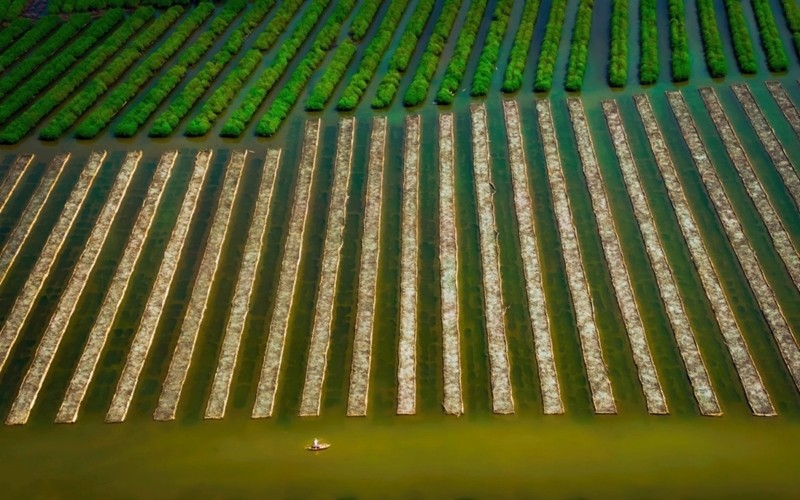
x: 684, y: 336
x: 240, y: 305
x: 494, y: 308
x: 79, y: 384
x: 599, y: 382
x: 143, y: 339
x: 648, y: 376
x: 368, y: 276
x: 317, y: 363
x: 268, y: 383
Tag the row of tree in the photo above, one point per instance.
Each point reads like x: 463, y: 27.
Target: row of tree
x: 777, y: 60
x: 579, y: 48
x: 618, y: 55
x: 63, y: 88
x: 482, y: 79
x: 387, y: 87
x: 372, y: 57
x: 70, y: 6
x: 105, y: 79
x: 120, y: 96
x: 740, y: 36
x: 138, y: 115
x: 457, y: 67
x: 29, y: 40
x: 679, y: 41
x: 12, y: 9
x: 791, y: 11
x: 712, y: 41
x: 182, y: 104
x: 232, y: 85
x: 334, y: 72
x: 363, y: 20
x: 47, y: 50
x: 648, y: 42
x: 344, y: 53
x: 418, y: 89
x: 15, y: 29
x: 49, y: 69
x: 512, y: 81
x: 291, y: 91
x: 548, y: 54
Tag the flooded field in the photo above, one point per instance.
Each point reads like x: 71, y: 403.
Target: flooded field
x: 590, y: 294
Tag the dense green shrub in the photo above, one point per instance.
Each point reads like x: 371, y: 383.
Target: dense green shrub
x: 712, y: 42
x: 740, y: 35
x: 138, y: 115
x: 418, y: 89
x: 12, y: 9
x: 52, y: 69
x: 106, y: 78
x: 791, y: 12
x: 47, y: 50
x: 777, y: 60
x: 290, y: 92
x: 363, y: 19
x: 546, y: 66
x: 457, y: 67
x: 372, y: 56
x: 13, y: 31
x: 482, y: 79
x: 512, y: 81
x: 618, y: 51
x: 679, y: 41
x: 182, y: 104
x: 29, y: 40
x: 648, y: 42
x: 98, y: 119
x: 69, y: 6
x: 334, y: 71
x: 387, y: 88
x: 233, y: 83
x: 59, y: 92
x: 579, y: 48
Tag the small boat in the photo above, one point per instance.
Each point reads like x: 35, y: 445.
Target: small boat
x: 317, y: 446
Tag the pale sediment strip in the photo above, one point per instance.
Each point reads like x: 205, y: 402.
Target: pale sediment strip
x: 788, y: 108
x: 494, y: 309
x: 407, y: 349
x: 140, y: 347
x: 448, y: 265
x: 51, y: 338
x: 620, y: 279
x: 537, y: 307
x: 198, y: 301
x: 684, y: 336
x: 756, y: 395
x: 368, y: 274
x: 754, y: 387
x: 273, y: 355
x: 599, y: 382
x: 240, y: 305
x: 31, y: 213
x: 84, y: 371
x: 783, y: 244
x: 52, y: 247
x: 317, y: 363
x: 13, y: 177
x: 770, y: 141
